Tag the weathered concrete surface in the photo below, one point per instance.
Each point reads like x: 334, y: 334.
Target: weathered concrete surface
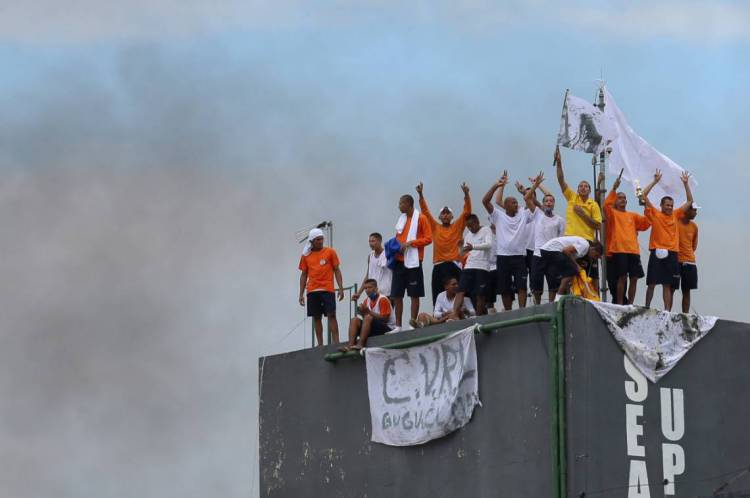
x: 315, y: 426
x: 714, y: 380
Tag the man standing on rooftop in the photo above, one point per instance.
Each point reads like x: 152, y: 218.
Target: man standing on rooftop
x: 446, y: 235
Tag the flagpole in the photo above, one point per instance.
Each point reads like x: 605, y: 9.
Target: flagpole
x: 602, y: 169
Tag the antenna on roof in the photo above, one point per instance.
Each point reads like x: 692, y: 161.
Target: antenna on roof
x: 326, y: 226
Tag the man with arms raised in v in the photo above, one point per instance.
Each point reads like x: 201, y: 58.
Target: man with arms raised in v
x: 512, y: 237
x: 663, y: 267
x: 445, y: 237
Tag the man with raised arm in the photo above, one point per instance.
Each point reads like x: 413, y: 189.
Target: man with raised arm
x: 622, y: 243
x: 413, y: 234
x: 445, y: 237
x: 319, y: 265
x: 510, y: 224
x: 664, y: 244
x: 377, y: 267
x: 686, y: 256
x: 565, y: 255
x: 547, y: 226
x: 583, y: 216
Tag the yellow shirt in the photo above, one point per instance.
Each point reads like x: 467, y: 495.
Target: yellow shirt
x: 574, y: 224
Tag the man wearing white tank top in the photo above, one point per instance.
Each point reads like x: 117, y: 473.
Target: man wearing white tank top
x: 377, y: 267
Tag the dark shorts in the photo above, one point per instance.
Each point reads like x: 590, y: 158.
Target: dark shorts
x: 321, y: 303
x: 490, y: 290
x: 626, y: 264
x: 409, y: 280
x: 662, y: 271
x: 540, y: 271
x: 688, y: 277
x: 529, y: 259
x: 379, y: 327
x: 511, y: 274
x: 473, y: 282
x: 559, y: 264
x: 612, y: 280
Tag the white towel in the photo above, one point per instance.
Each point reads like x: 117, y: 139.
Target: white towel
x: 411, y: 256
x: 314, y: 234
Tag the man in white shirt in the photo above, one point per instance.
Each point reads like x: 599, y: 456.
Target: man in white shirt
x: 377, y: 267
x: 547, y: 226
x: 444, y: 306
x: 477, y: 245
x: 512, y: 237
x: 563, y: 255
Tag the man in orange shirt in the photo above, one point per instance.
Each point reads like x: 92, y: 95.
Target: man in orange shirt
x: 445, y: 238
x: 664, y: 244
x: 622, y: 243
x: 407, y: 274
x: 377, y: 317
x: 319, y: 265
x: 688, y: 231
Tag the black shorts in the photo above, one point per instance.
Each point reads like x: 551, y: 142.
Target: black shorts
x: 321, y: 303
x: 688, y: 277
x: 473, y: 282
x: 490, y: 290
x: 379, y: 327
x: 662, y: 271
x: 540, y: 271
x: 409, y: 280
x: 511, y: 274
x: 626, y: 264
x: 529, y: 259
x: 559, y: 264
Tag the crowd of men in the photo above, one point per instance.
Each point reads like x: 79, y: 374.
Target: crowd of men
x: 522, y: 245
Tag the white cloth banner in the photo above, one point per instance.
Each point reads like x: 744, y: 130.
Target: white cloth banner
x: 653, y: 340
x: 422, y: 393
x: 640, y: 159
x: 584, y: 127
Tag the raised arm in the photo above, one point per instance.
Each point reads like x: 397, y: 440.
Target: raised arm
x: 560, y: 174
x: 529, y: 195
x: 487, y: 199
x: 657, y: 179
x: 423, y: 204
x: 467, y: 206
x: 685, y: 177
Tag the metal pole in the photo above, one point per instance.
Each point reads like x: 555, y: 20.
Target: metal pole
x: 602, y: 168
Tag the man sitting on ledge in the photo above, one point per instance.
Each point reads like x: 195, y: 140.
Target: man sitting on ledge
x: 377, y: 317
x: 444, y: 311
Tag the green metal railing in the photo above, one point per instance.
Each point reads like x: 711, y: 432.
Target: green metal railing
x: 556, y: 344
x: 350, y: 291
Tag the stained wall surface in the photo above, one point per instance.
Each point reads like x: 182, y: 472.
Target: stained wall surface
x: 315, y: 426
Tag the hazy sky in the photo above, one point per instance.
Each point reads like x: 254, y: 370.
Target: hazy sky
x: 157, y: 158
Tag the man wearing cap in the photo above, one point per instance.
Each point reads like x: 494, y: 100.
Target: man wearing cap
x: 688, y: 233
x: 664, y: 244
x: 319, y: 265
x: 446, y: 236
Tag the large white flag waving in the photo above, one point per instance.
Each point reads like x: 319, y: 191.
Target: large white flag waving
x: 584, y: 127
x: 640, y: 159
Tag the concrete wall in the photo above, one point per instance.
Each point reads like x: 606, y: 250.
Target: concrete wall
x: 315, y: 427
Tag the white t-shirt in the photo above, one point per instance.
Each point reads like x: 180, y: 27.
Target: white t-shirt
x: 546, y: 228
x: 377, y: 268
x: 480, y: 256
x: 530, y: 230
x: 444, y: 305
x: 559, y: 243
x: 511, y: 232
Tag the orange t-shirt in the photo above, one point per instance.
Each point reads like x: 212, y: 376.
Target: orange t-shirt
x: 688, y: 242
x: 445, y: 239
x: 623, y: 228
x: 382, y: 303
x: 319, y: 266
x: 424, y: 236
x: 664, y: 229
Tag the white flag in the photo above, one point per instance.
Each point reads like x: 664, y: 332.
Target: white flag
x: 422, y: 393
x: 640, y: 160
x: 584, y: 127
